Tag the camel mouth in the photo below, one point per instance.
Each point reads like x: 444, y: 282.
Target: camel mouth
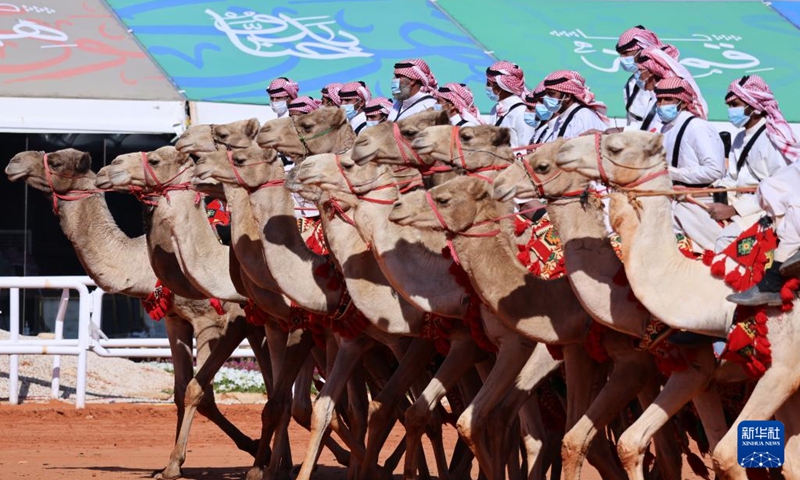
x: 505, y: 193
x: 361, y: 157
x: 18, y: 175
x: 399, y: 217
x: 201, y: 175
x: 423, y: 146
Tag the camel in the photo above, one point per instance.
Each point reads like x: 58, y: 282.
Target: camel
x: 592, y: 266
x: 99, y: 243
x: 635, y: 161
x: 322, y: 131
x: 371, y: 182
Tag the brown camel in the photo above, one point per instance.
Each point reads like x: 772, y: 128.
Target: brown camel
x: 645, y: 225
x: 592, y: 266
x: 98, y: 241
x: 324, y: 130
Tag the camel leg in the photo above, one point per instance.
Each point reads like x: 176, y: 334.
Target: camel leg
x: 350, y: 353
x: 297, y: 349
x: 679, y: 389
x: 632, y: 370
x: 533, y: 436
x: 578, y: 368
x: 772, y: 390
x: 384, y: 405
x: 512, y: 356
x: 462, y: 356
x: 357, y: 409
x: 256, y: 337
x: 669, y: 457
x: 791, y: 422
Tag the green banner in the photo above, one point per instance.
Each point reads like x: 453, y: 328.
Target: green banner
x: 229, y: 50
x: 718, y: 41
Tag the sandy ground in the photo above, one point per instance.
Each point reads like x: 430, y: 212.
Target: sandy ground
x: 129, y: 441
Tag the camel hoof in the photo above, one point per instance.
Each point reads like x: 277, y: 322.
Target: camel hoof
x: 167, y: 475
x: 255, y: 473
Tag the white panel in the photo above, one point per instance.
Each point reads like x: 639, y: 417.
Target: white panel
x: 59, y: 115
x: 207, y: 112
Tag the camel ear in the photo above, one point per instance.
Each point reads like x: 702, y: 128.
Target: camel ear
x: 339, y: 116
x: 251, y: 128
x: 442, y: 118
x: 502, y: 137
x: 84, y: 162
x: 654, y: 145
x: 477, y: 189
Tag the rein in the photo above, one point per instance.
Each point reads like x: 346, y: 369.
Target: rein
x: 457, y: 146
x: 161, y: 188
x: 71, y: 195
x: 304, y: 140
x: 598, y: 146
x: 240, y: 180
x: 403, y: 144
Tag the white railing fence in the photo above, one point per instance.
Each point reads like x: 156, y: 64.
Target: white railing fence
x: 90, y: 334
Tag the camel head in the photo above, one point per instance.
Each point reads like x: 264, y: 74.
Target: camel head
x: 313, y: 133
x: 460, y: 203
x: 149, y: 171
x: 537, y: 176
x: 249, y: 167
x: 624, y: 157
x: 200, y: 139
x: 470, y: 148
x: 69, y: 170
x: 378, y: 143
x: 340, y: 175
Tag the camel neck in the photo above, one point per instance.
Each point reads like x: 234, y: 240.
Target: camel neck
x: 545, y: 311
x: 679, y: 291
x: 116, y: 262
x: 593, y: 267
x: 306, y: 277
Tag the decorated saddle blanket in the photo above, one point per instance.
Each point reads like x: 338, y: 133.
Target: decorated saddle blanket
x: 540, y: 249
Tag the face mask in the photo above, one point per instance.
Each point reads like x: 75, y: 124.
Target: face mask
x: 395, y: 86
x: 628, y: 64
x: 543, y: 113
x: 372, y: 123
x: 667, y: 113
x: 552, y: 104
x: 531, y: 119
x: 437, y: 106
x: 737, y: 116
x: 638, y: 78
x: 279, y: 108
x: 492, y: 96
x: 350, y: 111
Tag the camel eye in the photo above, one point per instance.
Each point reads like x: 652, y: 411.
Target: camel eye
x: 55, y: 164
x: 614, y: 150
x: 443, y: 201
x: 239, y: 161
x: 153, y: 162
x: 542, y: 168
x: 408, y: 133
x: 466, y: 137
x: 223, y: 134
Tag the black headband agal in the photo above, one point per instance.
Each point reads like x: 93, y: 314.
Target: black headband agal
x: 555, y: 81
x: 373, y: 108
x: 273, y: 91
x: 351, y: 94
x: 447, y: 89
x: 670, y: 91
x: 299, y: 104
x: 403, y: 65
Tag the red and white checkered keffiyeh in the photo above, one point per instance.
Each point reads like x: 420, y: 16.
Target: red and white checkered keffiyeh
x: 754, y: 91
x: 677, y: 87
x: 304, y: 104
x: 355, y: 89
x: 663, y: 63
x: 459, y: 95
x: 570, y: 81
x: 283, y: 84
x: 637, y: 38
x: 331, y: 92
x: 507, y: 76
x: 417, y: 69
x: 533, y: 97
x: 378, y: 104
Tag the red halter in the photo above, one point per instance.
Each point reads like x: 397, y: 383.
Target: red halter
x: 161, y: 188
x: 604, y: 176
x: 403, y: 144
x: 70, y: 195
x: 240, y: 180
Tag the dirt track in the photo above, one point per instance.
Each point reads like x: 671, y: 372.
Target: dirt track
x: 129, y: 441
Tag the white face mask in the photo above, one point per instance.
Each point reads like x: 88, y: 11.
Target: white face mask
x: 279, y: 108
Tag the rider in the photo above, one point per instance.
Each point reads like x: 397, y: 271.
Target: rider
x: 281, y: 91
x: 330, y: 95
x: 456, y: 99
x: 640, y: 103
x: 412, y: 86
x: 354, y: 96
x: 572, y: 105
x: 505, y: 84
x: 764, y: 146
x: 302, y: 105
x: 377, y: 111
x: 695, y: 154
x: 537, y: 116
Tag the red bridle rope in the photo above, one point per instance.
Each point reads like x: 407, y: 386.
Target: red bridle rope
x: 71, y: 195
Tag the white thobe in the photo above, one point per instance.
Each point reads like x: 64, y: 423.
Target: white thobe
x: 466, y: 121
x: 779, y: 195
x: 643, y: 103
x: 411, y: 106
x: 584, y: 120
x: 358, y: 121
x: 514, y: 119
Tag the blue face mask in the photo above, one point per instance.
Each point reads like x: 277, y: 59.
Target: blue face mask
x: 492, y: 96
x: 437, y: 106
x: 350, y: 111
x: 395, y: 86
x: 667, y: 113
x: 543, y: 113
x: 638, y: 79
x: 552, y: 104
x: 372, y: 123
x: 628, y: 64
x: 531, y: 119
x: 737, y: 116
